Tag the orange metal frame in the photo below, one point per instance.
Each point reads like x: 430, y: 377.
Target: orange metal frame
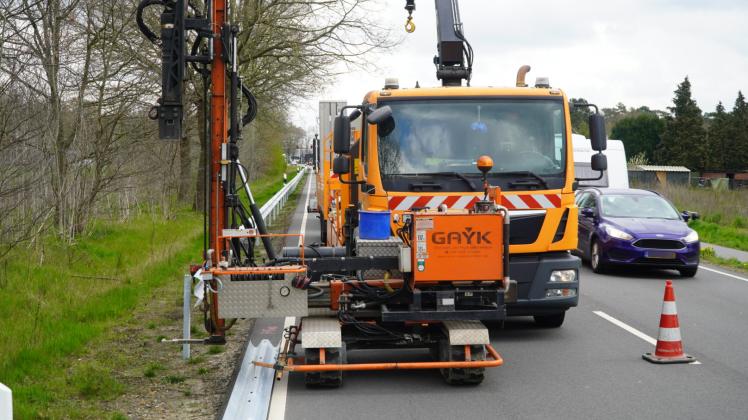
x: 496, y: 361
x: 218, y: 136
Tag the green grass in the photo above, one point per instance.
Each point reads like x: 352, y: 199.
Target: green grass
x: 724, y: 214
x: 729, y: 236
x: 152, y: 370
x: 58, y: 307
x: 708, y: 254
x: 58, y: 299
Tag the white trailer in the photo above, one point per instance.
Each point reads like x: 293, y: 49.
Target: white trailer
x: 616, y: 176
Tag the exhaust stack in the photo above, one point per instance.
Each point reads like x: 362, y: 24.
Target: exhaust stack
x: 521, y: 75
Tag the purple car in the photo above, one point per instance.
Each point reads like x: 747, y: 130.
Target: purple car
x: 635, y: 227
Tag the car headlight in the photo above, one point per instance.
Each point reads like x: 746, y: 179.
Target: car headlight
x: 563, y: 276
x: 691, y: 237
x: 617, y: 233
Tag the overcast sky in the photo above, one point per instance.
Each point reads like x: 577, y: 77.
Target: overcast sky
x: 609, y: 51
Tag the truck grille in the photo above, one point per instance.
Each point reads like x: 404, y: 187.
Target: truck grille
x: 659, y: 244
x: 524, y: 230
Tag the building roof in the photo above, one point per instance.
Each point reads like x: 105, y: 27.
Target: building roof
x: 658, y: 168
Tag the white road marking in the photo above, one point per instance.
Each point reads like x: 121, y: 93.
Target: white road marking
x: 723, y: 273
x: 626, y: 327
x: 631, y: 329
x: 280, y: 388
x: 306, y: 213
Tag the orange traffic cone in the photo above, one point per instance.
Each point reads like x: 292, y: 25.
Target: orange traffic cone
x: 669, y: 346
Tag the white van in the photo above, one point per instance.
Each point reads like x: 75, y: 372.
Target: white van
x: 617, y: 175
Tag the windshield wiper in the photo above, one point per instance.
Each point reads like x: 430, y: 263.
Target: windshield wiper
x: 458, y: 175
x: 538, y: 181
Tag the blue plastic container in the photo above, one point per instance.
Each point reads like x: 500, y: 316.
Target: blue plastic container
x: 374, y: 224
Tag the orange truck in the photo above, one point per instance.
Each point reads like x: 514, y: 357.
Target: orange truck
x: 440, y: 208
x: 443, y: 207
x: 426, y: 162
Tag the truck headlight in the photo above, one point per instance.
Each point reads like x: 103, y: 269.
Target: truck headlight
x: 560, y: 293
x: 563, y: 276
x: 691, y: 237
x: 617, y: 233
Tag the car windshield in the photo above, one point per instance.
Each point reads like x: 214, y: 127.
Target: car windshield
x: 641, y: 206
x: 447, y: 136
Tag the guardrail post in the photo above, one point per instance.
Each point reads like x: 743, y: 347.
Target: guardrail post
x: 186, y: 315
x: 6, y: 403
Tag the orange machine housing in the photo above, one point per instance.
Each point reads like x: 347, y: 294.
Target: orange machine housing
x: 457, y: 247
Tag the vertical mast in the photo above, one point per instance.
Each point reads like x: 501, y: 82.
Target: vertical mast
x: 218, y: 137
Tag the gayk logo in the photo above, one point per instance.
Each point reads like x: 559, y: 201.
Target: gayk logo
x: 468, y: 237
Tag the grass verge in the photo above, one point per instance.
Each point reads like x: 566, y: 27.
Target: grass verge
x: 708, y: 255
x: 731, y: 237
x: 58, y: 302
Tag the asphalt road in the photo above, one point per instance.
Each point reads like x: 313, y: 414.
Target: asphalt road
x: 588, y: 368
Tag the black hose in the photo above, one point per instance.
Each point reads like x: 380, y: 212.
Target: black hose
x: 147, y: 32
x: 251, y: 105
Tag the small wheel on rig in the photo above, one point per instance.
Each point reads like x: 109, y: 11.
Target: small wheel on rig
x: 461, y: 376
x: 325, y: 379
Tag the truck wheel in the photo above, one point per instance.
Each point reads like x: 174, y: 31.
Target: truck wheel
x: 322, y: 230
x: 328, y: 379
x: 550, y: 321
x: 688, y: 271
x: 596, y: 262
x: 454, y: 376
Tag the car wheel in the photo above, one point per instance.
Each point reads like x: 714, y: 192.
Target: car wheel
x: 550, y: 321
x: 688, y: 271
x: 598, y: 266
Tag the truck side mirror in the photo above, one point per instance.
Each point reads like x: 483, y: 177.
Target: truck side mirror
x: 597, y: 132
x: 382, y: 117
x: 599, y: 162
x: 341, y: 165
x: 342, y: 135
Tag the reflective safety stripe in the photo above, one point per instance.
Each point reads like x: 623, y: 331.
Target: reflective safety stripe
x: 669, y: 334
x: 543, y: 201
x: 460, y: 202
x: 668, y: 308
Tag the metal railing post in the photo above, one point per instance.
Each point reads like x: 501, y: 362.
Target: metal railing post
x: 186, y: 315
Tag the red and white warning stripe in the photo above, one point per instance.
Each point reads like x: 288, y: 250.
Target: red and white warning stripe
x: 669, y: 341
x: 459, y: 202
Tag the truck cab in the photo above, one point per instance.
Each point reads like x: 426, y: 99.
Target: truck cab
x: 424, y: 157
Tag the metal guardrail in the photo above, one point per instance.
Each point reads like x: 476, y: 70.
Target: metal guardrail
x: 272, y: 208
x: 252, y: 389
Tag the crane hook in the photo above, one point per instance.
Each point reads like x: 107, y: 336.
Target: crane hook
x: 410, y: 6
x: 410, y: 26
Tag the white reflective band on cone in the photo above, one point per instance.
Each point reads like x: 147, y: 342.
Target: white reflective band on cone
x: 669, y: 334
x: 668, y: 308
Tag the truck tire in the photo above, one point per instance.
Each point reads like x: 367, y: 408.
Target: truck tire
x: 454, y: 376
x: 550, y: 321
x: 328, y: 379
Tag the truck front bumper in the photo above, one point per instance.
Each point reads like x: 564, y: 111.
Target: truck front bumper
x: 533, y: 275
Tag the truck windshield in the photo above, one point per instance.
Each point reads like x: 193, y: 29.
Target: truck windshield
x: 447, y: 136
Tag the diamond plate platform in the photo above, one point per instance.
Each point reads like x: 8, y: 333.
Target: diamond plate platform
x: 261, y: 299
x: 379, y: 248
x: 317, y: 332
x: 466, y: 332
